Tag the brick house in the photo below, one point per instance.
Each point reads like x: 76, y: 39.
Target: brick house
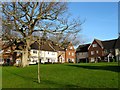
x: 7, y: 52
x: 82, y: 53
x: 66, y: 53
x: 70, y: 53
x: 101, y: 50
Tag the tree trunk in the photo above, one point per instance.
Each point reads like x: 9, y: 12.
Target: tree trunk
x: 25, y: 53
x: 25, y: 57
x: 39, y: 64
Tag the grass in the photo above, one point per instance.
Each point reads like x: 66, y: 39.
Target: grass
x: 0, y: 77
x: 83, y: 75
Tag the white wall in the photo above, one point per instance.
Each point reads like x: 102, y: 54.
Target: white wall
x: 44, y: 56
x: 117, y: 54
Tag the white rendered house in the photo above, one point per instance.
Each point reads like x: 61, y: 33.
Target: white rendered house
x: 45, y: 53
x: 44, y: 56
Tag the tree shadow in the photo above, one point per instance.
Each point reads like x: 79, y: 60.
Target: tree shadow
x: 20, y: 75
x: 107, y: 68
x: 59, y: 84
x: 50, y: 83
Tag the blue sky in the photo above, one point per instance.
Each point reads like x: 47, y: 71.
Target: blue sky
x: 101, y: 19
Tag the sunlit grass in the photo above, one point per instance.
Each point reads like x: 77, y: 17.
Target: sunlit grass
x: 83, y: 75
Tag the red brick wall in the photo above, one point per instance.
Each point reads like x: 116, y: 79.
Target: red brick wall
x: 95, y: 49
x: 70, y: 53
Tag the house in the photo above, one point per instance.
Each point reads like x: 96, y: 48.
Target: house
x: 117, y: 49
x: 101, y: 50
x: 7, y: 52
x: 70, y: 53
x: 45, y: 51
x: 61, y: 56
x: 60, y: 52
x: 82, y: 53
x: 52, y: 52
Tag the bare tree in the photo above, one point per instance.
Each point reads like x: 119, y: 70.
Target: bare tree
x: 30, y: 17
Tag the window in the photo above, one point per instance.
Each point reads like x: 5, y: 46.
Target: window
x: 105, y: 51
x: 53, y: 53
x: 111, y: 50
x: 92, y: 59
x: 35, y: 52
x: 82, y: 53
x: 92, y: 52
x: 69, y: 53
x: 71, y: 47
x: 97, y: 51
x: 94, y: 45
x: 72, y: 54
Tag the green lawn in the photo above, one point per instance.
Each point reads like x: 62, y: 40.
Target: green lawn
x: 83, y: 75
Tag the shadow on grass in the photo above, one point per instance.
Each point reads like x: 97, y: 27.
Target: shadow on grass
x: 50, y: 83
x: 20, y: 75
x: 107, y: 68
x: 59, y: 84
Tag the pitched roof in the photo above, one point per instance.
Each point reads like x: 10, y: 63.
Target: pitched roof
x: 44, y: 46
x: 99, y: 42
x: 57, y: 46
x: 47, y: 45
x: 117, y: 45
x: 109, y: 44
x: 82, y: 48
x: 66, y: 44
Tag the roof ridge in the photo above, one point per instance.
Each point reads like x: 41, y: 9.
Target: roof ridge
x: 109, y: 40
x: 99, y: 42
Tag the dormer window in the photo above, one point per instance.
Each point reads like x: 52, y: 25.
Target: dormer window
x: 94, y: 45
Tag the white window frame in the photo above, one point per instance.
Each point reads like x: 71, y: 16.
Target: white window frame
x: 92, y: 52
x: 97, y: 51
x: 69, y: 53
x: 72, y: 54
x: 94, y: 45
x: 53, y: 53
x: 71, y: 47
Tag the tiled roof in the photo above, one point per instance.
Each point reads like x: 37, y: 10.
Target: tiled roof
x: 46, y: 46
x: 117, y: 45
x: 83, y: 48
x: 109, y: 44
x: 99, y: 42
